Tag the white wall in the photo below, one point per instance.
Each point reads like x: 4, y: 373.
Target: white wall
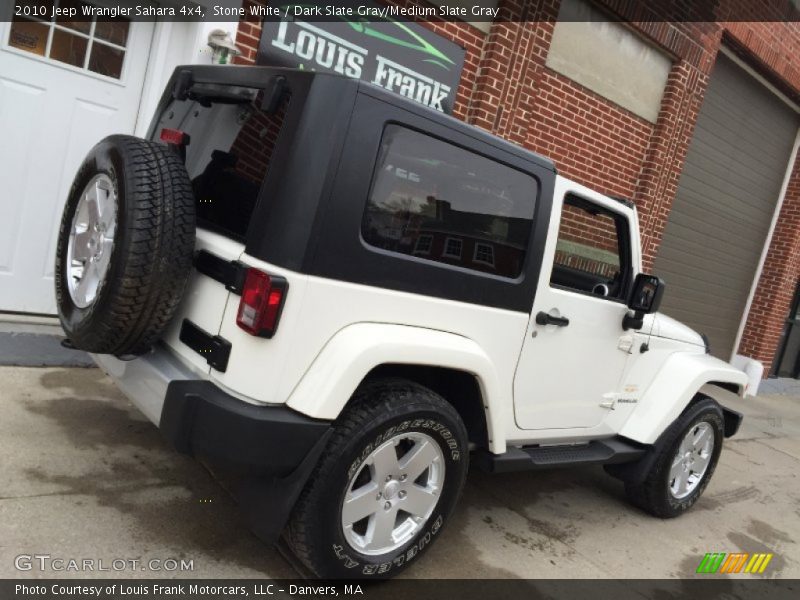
x: 177, y: 44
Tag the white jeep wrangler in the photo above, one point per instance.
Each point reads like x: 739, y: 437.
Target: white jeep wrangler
x: 347, y: 297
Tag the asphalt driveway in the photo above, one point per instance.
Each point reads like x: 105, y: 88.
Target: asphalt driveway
x: 84, y: 476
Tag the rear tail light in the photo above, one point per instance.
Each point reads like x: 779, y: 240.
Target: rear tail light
x: 261, y: 303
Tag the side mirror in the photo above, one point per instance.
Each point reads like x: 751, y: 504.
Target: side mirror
x: 645, y: 298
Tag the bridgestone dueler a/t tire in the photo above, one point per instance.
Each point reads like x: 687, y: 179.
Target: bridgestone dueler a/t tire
x: 652, y: 495
x: 151, y: 256
x: 378, y: 410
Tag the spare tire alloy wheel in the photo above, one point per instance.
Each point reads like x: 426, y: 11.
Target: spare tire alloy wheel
x: 91, y: 240
x: 125, y: 246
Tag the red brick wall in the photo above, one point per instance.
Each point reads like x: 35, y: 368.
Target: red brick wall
x: 778, y: 281
x: 507, y: 89
x: 467, y: 36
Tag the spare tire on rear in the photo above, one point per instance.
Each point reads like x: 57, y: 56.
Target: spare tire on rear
x: 125, y: 246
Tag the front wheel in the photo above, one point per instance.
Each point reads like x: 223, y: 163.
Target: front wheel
x: 386, y: 484
x: 685, y: 464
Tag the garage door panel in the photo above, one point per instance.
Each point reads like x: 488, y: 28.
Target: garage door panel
x: 705, y: 200
x: 724, y: 205
x: 727, y: 124
x: 701, y: 282
x: 695, y: 229
x: 751, y: 97
x: 686, y: 255
x: 732, y: 171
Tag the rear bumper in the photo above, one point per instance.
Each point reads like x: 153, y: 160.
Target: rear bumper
x: 270, y: 451
x: 200, y: 419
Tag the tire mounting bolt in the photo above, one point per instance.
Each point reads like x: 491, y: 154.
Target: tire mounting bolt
x: 403, y: 477
x: 387, y: 506
x: 402, y: 494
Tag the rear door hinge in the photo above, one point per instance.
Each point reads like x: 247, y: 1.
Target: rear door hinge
x: 215, y: 349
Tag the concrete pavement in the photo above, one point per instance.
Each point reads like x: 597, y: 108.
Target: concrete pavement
x: 84, y: 475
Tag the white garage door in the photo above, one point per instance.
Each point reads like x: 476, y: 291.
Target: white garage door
x: 63, y: 87
x: 726, y: 199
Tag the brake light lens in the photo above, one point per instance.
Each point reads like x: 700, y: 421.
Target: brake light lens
x: 174, y: 136
x: 262, y: 300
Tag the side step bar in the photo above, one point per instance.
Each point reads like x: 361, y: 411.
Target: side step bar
x: 599, y: 452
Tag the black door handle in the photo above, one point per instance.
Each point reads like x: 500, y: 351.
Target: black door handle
x: 543, y: 318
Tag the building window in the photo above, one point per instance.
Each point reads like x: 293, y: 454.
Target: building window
x: 424, y: 243
x: 484, y: 253
x: 430, y: 198
x: 452, y: 248
x: 90, y: 45
x: 609, y: 59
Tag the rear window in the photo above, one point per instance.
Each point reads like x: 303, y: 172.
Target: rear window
x: 439, y: 202
x: 231, y: 144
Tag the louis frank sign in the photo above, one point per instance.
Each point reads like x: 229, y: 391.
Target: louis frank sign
x: 400, y: 56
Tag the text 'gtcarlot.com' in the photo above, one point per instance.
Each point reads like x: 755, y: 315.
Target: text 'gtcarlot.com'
x: 46, y: 562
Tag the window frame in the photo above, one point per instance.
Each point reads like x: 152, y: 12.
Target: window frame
x: 429, y: 239
x: 624, y: 249
x: 484, y: 245
x: 445, y: 251
x: 53, y: 26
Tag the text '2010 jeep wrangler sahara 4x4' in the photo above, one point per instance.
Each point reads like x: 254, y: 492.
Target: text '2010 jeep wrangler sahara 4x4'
x: 346, y: 297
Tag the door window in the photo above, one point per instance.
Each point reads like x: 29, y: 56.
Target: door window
x: 592, y: 253
x: 82, y: 42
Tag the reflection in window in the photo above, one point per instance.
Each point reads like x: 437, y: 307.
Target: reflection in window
x: 424, y: 243
x: 106, y: 60
x: 484, y: 253
x: 96, y: 46
x: 591, y: 253
x: 29, y: 35
x: 452, y: 248
x: 68, y: 48
x: 443, y: 203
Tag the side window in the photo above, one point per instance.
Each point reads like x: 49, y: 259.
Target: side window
x: 439, y: 202
x: 592, y: 251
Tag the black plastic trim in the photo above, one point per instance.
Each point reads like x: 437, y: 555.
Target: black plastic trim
x: 230, y: 273
x: 598, y: 452
x: 271, y: 449
x: 200, y: 419
x: 733, y: 420
x: 706, y: 343
x: 215, y: 349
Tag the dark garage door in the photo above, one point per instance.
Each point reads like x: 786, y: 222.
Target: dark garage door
x: 724, y: 205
